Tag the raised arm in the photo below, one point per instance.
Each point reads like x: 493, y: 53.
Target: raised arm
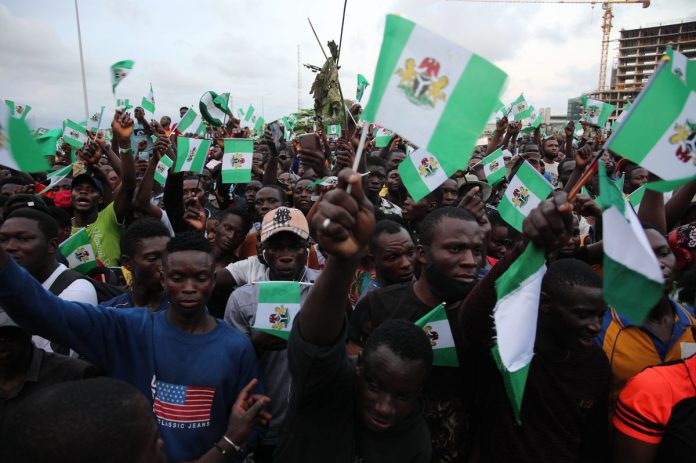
x: 501, y: 126
x: 122, y: 127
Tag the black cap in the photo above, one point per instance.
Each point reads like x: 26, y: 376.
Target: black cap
x: 86, y: 178
x: 23, y: 200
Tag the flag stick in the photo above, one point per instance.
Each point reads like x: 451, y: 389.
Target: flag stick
x: 340, y: 40
x: 349, y: 113
x: 586, y: 176
x: 316, y: 36
x: 358, y: 154
x: 82, y: 62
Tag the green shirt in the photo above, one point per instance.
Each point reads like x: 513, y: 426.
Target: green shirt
x: 105, y: 236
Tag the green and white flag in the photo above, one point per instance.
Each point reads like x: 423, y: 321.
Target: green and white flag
x: 362, y: 85
x: 94, y: 122
x: 659, y: 131
x: 515, y: 318
x: 382, y: 137
x: 633, y: 279
x: 333, y: 131
x: 18, y: 148
x: 422, y: 172
x: 595, y: 112
x: 532, y: 121
x: 191, y: 154
x: 78, y: 251
x: 191, y: 123
x: 162, y: 169
x: 224, y: 102
x: 258, y: 125
x: 237, y: 159
x: 18, y: 110
x: 433, y: 92
x: 279, y: 303
x: 524, y: 192
x: 636, y: 197
x: 437, y: 328
x: 519, y: 109
x: 213, y: 108
x: 148, y: 102
x: 502, y: 110
x: 55, y: 177
x: 249, y: 117
x: 123, y: 104
x: 621, y: 117
x: 678, y: 64
x: 48, y: 141
x: 494, y: 166
x: 74, y: 134
x: 119, y: 71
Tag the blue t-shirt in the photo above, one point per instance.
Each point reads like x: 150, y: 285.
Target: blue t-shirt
x: 191, y: 380
x: 125, y: 301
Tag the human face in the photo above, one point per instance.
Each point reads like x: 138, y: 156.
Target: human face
x: 139, y: 112
x: 414, y: 211
x: 193, y: 189
x: 22, y: 239
x: 287, y: 180
x: 63, y: 185
x: 230, y: 233
x: 565, y: 173
x: 146, y: 264
x: 165, y: 121
x: 250, y: 191
x: 388, y: 388
x: 635, y: 179
x: 568, y: 249
x: 206, y: 180
x: 534, y: 159
x: 449, y: 192
x: 85, y: 197
x: 374, y: 181
x: 188, y: 279
x: 302, y: 195
x: 499, y: 242
x: 285, y: 159
x: 394, y: 182
x: 112, y: 178
x: 608, y: 161
x: 574, y: 320
x: 182, y: 111
x: 266, y: 200
x: 395, y: 257
x: 457, y: 249
x: 395, y: 158
x: 286, y: 256
x: 665, y: 257
x: 550, y: 149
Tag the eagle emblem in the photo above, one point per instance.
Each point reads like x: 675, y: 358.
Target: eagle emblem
x: 432, y: 335
x: 428, y: 166
x: 422, y: 84
x: 520, y: 196
x: 279, y: 319
x: 685, y: 138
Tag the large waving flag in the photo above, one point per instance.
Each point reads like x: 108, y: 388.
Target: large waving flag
x: 18, y: 148
x: 433, y: 92
x: 632, y: 276
x: 279, y: 303
x: 659, y: 131
x: 524, y: 192
x: 191, y: 154
x: 515, y: 316
x: 237, y: 158
x: 47, y: 141
x: 437, y: 328
x: 119, y: 71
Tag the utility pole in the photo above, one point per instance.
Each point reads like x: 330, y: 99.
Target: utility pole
x: 82, y: 62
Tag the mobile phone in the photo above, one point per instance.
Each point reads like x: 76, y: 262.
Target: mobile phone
x: 310, y: 141
x: 144, y: 155
x: 277, y: 133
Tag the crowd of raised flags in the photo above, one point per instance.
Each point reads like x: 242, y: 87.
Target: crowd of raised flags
x: 439, y: 96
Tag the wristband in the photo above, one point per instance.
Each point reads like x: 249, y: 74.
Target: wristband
x: 236, y: 447
x: 127, y: 151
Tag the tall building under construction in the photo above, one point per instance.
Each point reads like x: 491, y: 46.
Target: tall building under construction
x: 639, y: 53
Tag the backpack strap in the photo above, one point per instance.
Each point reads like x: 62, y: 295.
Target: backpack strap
x: 64, y: 280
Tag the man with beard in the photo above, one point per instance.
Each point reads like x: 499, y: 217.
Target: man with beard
x: 550, y: 148
x: 451, y: 253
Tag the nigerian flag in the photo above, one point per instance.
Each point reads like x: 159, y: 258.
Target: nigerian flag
x: 249, y: 117
x: 362, y: 85
x: 632, y: 276
x: 431, y: 91
x: 519, y: 109
x: 119, y: 71
x: 18, y: 148
x: 148, y: 102
x: 191, y: 154
x: 532, y: 121
x: 18, y: 110
x: 333, y: 131
x: 382, y: 137
x: 494, y: 167
x: 237, y: 159
x: 422, y: 172
x: 437, y: 328
x: 659, y: 131
x: 78, y: 251
x: 162, y: 169
x: 213, y: 107
x: 515, y: 318
x: 279, y: 303
x: 595, y: 112
x: 55, y: 177
x: 191, y: 122
x: 123, y: 104
x: 636, y: 197
x: 258, y: 125
x: 524, y: 192
x: 74, y: 134
x: 94, y: 121
x: 47, y: 141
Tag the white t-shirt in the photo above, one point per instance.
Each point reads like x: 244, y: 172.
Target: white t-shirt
x: 247, y: 270
x: 78, y: 291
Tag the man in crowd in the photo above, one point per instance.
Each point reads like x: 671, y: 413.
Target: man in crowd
x: 414, y: 212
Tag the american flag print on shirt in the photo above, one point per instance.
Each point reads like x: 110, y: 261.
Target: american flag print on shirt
x: 183, y: 404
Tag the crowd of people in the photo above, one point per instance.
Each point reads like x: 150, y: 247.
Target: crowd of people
x: 154, y: 355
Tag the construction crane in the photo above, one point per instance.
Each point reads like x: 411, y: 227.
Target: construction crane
x: 606, y: 25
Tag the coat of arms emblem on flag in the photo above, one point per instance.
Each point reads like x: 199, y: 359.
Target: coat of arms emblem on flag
x: 82, y: 254
x: 431, y: 334
x: 237, y: 160
x: 191, y: 154
x: 685, y: 139
x: 520, y: 196
x: 422, y: 85
x: 428, y: 166
x: 279, y: 319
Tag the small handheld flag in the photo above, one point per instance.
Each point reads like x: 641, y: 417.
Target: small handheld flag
x: 279, y: 303
x: 191, y: 154
x: 437, y: 328
x: 119, y: 71
x: 78, y: 251
x: 524, y: 192
x: 148, y: 102
x: 362, y: 85
x: 237, y: 159
x: 494, y: 166
x: 162, y: 169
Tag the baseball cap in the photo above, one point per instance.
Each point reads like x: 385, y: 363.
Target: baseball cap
x: 284, y: 219
x: 23, y: 200
x: 472, y: 181
x: 5, y: 319
x: 86, y: 178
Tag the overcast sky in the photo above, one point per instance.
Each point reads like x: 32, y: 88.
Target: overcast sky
x: 249, y: 48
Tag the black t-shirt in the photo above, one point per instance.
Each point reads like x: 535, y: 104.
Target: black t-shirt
x: 323, y: 424
x: 564, y: 409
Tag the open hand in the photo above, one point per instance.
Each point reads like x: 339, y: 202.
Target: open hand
x: 247, y: 413
x: 122, y: 128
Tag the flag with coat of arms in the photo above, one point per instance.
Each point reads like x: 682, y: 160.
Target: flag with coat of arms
x: 78, y: 251
x: 278, y: 304
x: 437, y: 327
x: 524, y: 192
